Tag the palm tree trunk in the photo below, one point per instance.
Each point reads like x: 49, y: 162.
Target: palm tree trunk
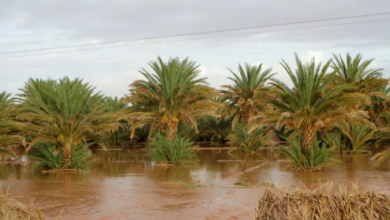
x: 67, y: 156
x: 172, y: 127
x: 307, y: 140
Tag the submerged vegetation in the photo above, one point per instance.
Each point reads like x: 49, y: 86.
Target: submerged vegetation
x: 247, y: 141
x: 343, y: 102
x: 315, y: 157
x: 50, y: 156
x: 166, y: 151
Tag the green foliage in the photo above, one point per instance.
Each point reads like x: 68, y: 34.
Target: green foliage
x: 49, y: 155
x: 283, y: 133
x: 383, y: 137
x: 114, y: 104
x: 141, y: 134
x: 246, y: 96
x: 313, y: 103
x: 353, y: 139
x: 356, y: 71
x: 122, y: 134
x: 177, y: 152
x: 315, y: 158
x: 336, y: 140
x: 9, y: 128
x: 215, y: 129
x: 66, y: 113
x: 248, y: 141
x: 80, y: 157
x: 187, y: 131
x: 173, y: 92
x: 242, y: 183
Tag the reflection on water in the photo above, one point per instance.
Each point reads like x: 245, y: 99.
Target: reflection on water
x: 126, y: 184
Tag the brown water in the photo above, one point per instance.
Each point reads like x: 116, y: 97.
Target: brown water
x: 126, y: 184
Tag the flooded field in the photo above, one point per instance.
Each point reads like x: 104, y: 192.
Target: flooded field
x: 126, y: 184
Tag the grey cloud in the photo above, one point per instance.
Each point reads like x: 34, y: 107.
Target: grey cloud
x: 36, y: 24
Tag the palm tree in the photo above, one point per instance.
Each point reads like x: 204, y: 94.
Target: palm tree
x: 247, y: 94
x: 313, y: 104
x: 383, y: 137
x: 66, y: 113
x: 357, y: 72
x: 215, y: 128
x: 379, y: 104
x: 115, y: 105
x: 8, y: 126
x: 173, y: 92
x: 354, y: 140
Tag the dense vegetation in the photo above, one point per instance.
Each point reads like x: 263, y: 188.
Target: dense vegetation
x: 339, y: 106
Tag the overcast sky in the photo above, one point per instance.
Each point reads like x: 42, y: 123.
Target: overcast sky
x: 28, y: 25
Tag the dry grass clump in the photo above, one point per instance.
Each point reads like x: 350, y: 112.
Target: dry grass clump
x: 13, y: 210
x: 326, y: 202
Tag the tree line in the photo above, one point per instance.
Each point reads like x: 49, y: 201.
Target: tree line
x: 337, y: 106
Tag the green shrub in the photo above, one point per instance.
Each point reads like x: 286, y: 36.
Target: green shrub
x: 177, y: 152
x: 336, y: 141
x: 216, y: 130
x: 185, y: 130
x: 354, y: 138
x: 248, y: 141
x: 283, y: 133
x: 49, y: 155
x: 316, y: 157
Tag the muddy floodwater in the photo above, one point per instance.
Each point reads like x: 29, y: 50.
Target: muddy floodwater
x: 126, y: 184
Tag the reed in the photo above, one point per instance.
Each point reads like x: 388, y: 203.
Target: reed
x: 325, y: 202
x: 10, y: 209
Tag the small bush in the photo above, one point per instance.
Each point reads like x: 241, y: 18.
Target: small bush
x: 283, y: 133
x: 50, y: 156
x: 248, y: 141
x: 315, y: 158
x: 177, y: 152
x: 353, y: 139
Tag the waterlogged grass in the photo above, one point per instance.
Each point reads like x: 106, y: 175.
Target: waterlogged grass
x: 246, y: 141
x: 50, y: 156
x: 177, y: 152
x: 268, y: 185
x: 315, y: 158
x: 242, y: 183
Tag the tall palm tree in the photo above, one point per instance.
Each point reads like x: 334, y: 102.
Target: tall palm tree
x: 66, y: 113
x: 357, y: 72
x: 173, y: 92
x: 313, y: 104
x: 246, y: 96
x: 8, y: 127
